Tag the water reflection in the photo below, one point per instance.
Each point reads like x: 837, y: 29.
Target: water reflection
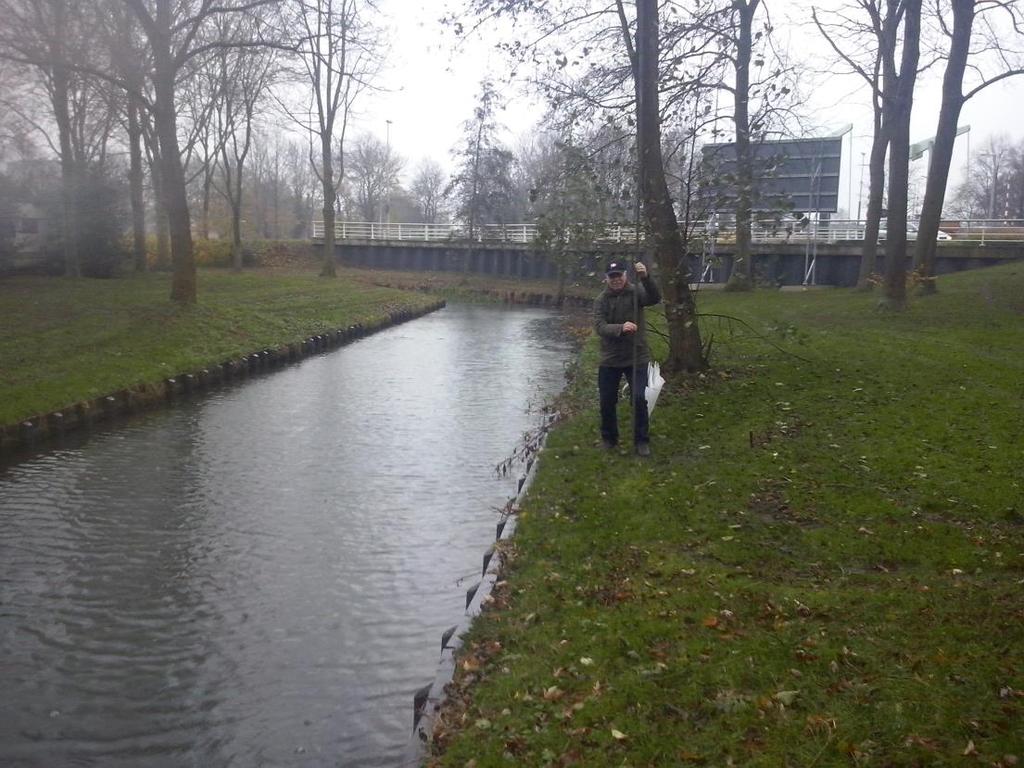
x: 262, y: 577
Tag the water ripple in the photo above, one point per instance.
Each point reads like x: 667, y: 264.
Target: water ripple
x: 262, y: 577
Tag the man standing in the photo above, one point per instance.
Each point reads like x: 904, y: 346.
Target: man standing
x: 619, y: 321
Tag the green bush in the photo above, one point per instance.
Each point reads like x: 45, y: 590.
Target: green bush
x: 212, y: 253
x: 102, y: 217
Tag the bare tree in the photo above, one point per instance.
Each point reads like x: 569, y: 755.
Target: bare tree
x: 623, y: 65
x: 686, y: 352
x: 177, y: 33
x: 269, y: 187
x: 428, y: 191
x: 302, y: 185
x: 245, y: 76
x: 338, y: 53
x: 869, y: 36
x: 127, y: 64
x: 136, y: 181
x: 731, y: 48
x: 995, y: 172
x: 740, y: 33
x: 897, y: 100
x: 859, y: 34
x: 151, y: 145
x: 201, y: 113
x: 48, y: 36
x: 1004, y: 59
x: 373, y: 169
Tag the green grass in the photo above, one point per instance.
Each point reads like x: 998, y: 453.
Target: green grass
x: 66, y: 340
x: 476, y: 288
x: 822, y: 565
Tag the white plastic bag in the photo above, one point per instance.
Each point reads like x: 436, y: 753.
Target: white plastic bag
x: 654, y: 384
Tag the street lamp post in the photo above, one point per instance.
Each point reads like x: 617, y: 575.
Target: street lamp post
x: 860, y: 187
x: 387, y: 160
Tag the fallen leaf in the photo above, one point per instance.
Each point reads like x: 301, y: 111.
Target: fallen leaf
x: 820, y: 724
x: 914, y: 740
x: 970, y: 749
x: 554, y: 693
x: 618, y: 735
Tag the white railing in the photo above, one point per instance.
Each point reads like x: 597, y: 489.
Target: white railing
x: 368, y: 230
x: 497, y: 233
x: 982, y: 231
x: 974, y: 231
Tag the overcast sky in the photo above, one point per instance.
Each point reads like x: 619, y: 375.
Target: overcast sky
x: 432, y: 87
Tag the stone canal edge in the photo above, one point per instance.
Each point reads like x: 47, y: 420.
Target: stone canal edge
x: 428, y: 700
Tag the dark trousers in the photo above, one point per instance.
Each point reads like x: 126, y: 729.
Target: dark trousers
x: 608, y: 378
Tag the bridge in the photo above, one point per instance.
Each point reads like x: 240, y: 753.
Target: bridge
x: 785, y: 252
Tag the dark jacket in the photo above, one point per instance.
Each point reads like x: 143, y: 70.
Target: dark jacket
x: 611, y: 310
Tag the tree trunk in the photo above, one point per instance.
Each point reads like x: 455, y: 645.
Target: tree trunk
x: 899, y: 93
x: 742, y: 276
x: 204, y: 215
x: 233, y: 193
x: 473, y: 196
x: 163, y: 230
x: 563, y: 277
x: 276, y: 232
x: 945, y: 137
x: 328, y: 269
x: 873, y: 214
x: 685, y: 350
x: 135, y: 184
x: 236, y: 221
x: 68, y: 172
x: 896, y: 227
x: 183, y: 279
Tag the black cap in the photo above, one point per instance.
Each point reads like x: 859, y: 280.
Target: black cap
x: 615, y: 267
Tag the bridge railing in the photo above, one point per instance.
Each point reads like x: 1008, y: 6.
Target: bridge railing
x: 486, y: 233
x: 974, y: 231
x: 968, y: 231
x: 983, y: 231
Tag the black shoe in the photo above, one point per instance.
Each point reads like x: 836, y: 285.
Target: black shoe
x: 643, y: 450
x: 608, y: 445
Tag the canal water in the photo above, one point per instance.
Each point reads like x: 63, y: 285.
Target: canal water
x: 261, y: 577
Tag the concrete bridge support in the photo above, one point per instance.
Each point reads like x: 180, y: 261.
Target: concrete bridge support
x: 496, y: 260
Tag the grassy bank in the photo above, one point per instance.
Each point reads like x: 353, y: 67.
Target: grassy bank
x: 822, y: 565
x: 472, y: 287
x: 66, y: 340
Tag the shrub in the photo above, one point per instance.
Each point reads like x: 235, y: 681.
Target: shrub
x: 102, y: 214
x: 213, y: 253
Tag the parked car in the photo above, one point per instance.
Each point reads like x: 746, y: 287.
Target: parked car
x: 911, y: 233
